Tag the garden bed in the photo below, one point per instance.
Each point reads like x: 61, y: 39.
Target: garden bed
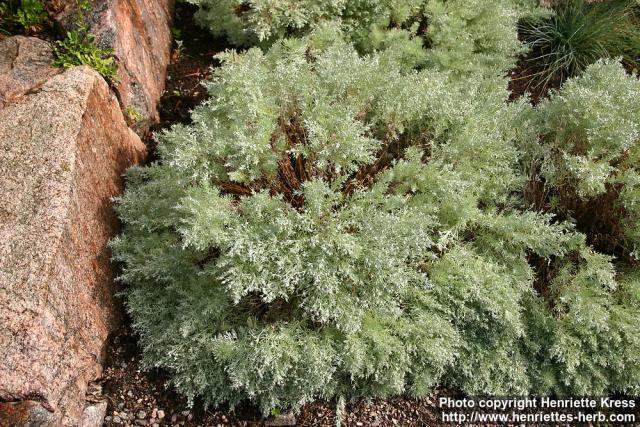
x: 137, y: 397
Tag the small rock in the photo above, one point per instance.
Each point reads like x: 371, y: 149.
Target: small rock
x: 117, y: 419
x: 142, y: 415
x: 108, y: 418
x: 120, y: 405
x: 141, y: 422
x: 154, y: 413
x: 130, y: 393
x: 174, y: 418
x: 94, y: 415
x: 160, y: 414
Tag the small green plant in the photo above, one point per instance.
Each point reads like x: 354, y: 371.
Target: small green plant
x: 178, y: 48
x: 79, y: 47
x: 31, y: 14
x: 5, y: 14
x: 275, y: 412
x: 579, y: 33
x: 132, y: 114
x: 28, y: 15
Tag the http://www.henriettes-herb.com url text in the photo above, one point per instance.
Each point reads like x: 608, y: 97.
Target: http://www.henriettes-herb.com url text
x: 537, y: 410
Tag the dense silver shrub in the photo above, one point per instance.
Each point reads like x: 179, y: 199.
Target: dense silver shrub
x: 338, y: 224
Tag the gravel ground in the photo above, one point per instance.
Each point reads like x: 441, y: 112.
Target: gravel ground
x: 139, y: 398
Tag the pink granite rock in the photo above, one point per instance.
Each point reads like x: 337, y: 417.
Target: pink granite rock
x: 142, y: 44
x: 25, y: 64
x: 63, y: 148
x: 139, y: 32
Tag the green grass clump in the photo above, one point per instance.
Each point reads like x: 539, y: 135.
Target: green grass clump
x: 579, y: 33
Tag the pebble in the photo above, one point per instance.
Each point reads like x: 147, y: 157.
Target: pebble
x: 120, y: 405
x: 108, y: 418
x: 130, y: 393
x: 160, y: 414
x: 154, y: 413
x: 142, y: 415
x: 174, y: 418
x: 116, y: 419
